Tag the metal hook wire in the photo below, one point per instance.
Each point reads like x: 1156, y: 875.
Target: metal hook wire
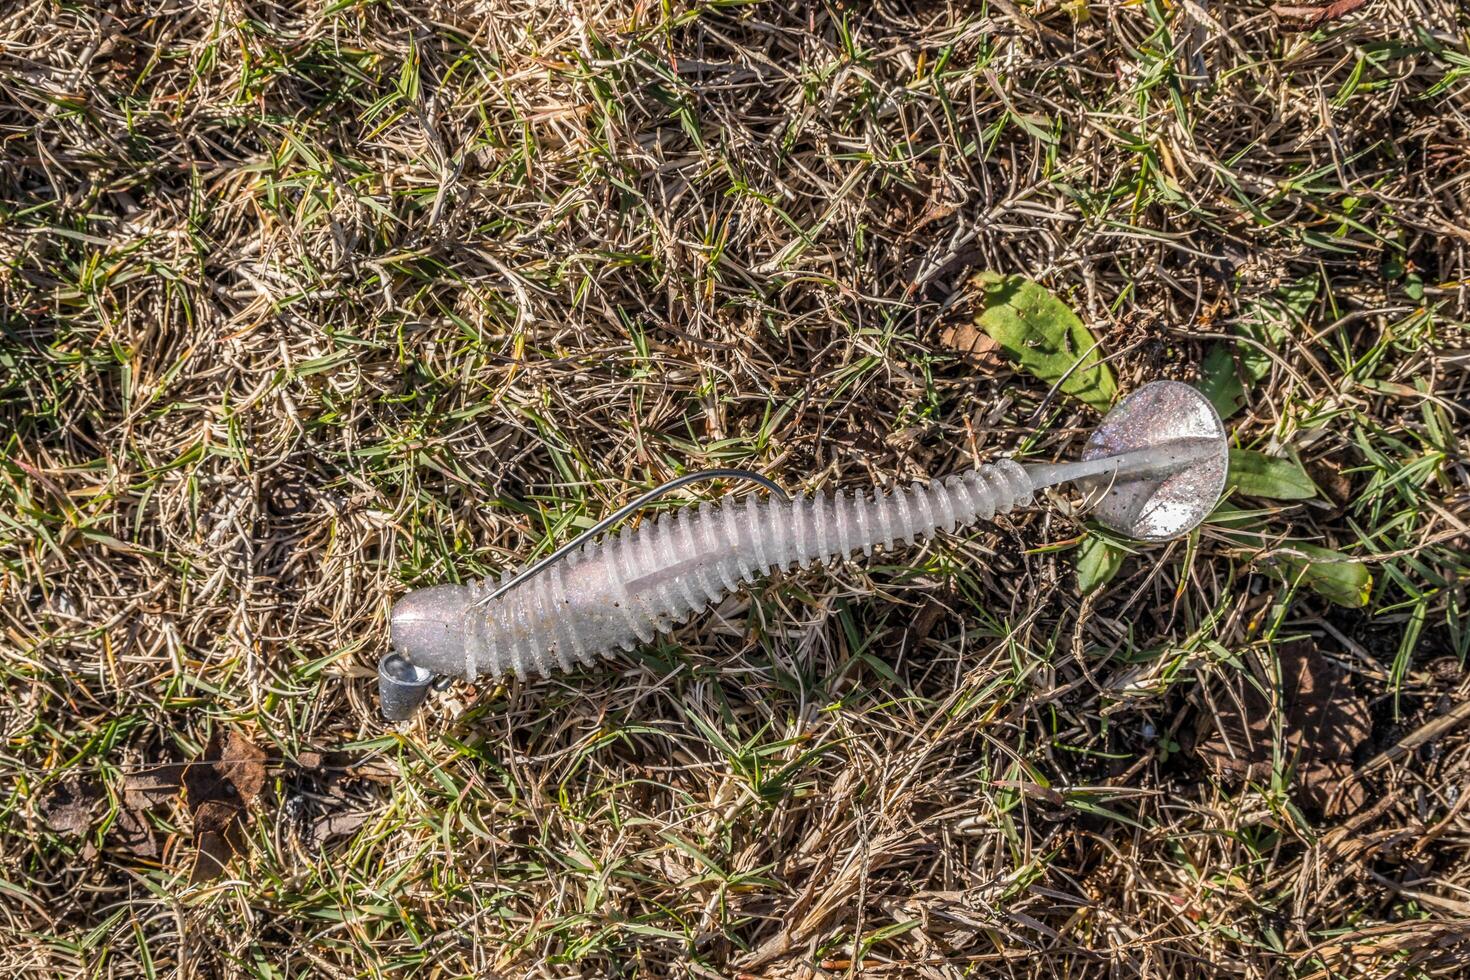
x: 531, y: 571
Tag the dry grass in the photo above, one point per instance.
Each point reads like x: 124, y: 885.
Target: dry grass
x: 305, y: 304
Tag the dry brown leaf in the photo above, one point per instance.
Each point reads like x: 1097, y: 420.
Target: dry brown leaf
x: 132, y: 834
x: 1335, y: 485
x: 977, y: 346
x: 376, y: 771
x: 341, y: 824
x: 219, y: 832
x: 219, y: 793
x: 149, y: 787
x: 912, y: 631
x: 68, y: 808
x: 1315, y: 16
x: 1323, y: 722
x: 1033, y: 790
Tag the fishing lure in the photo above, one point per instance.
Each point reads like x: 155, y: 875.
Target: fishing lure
x: 1153, y: 470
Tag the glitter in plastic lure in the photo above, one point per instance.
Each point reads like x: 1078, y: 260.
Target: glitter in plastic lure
x: 1152, y: 471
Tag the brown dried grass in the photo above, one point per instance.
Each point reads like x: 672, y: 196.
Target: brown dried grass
x: 304, y: 304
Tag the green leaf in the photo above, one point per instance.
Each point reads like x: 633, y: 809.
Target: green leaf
x: 1331, y: 574
x: 1044, y: 336
x: 1229, y: 367
x: 1219, y: 382
x: 1275, y: 477
x: 1098, y: 560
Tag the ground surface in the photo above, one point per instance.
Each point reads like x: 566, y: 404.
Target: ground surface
x: 302, y: 305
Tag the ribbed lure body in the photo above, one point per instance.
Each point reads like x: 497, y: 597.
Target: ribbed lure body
x: 1154, y: 470
x: 616, y: 593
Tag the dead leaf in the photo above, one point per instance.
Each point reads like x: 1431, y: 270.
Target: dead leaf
x: 1316, y: 16
x: 147, y: 788
x: 913, y: 631
x: 1323, y: 722
x: 341, y: 824
x: 219, y: 794
x: 978, y: 347
x: 1444, y: 668
x: 219, y: 832
x: 928, y: 617
x: 1335, y: 485
x: 1035, y: 791
x: 68, y: 808
x: 242, y: 766
x: 132, y: 834
x: 376, y: 772
x: 934, y: 211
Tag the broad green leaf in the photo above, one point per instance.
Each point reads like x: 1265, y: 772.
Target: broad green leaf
x: 1098, y: 560
x: 1229, y: 367
x: 1331, y: 574
x: 1044, y: 336
x: 1219, y: 381
x: 1276, y: 477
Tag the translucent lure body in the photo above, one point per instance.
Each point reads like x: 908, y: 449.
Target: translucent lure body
x: 616, y: 593
x: 1153, y: 470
